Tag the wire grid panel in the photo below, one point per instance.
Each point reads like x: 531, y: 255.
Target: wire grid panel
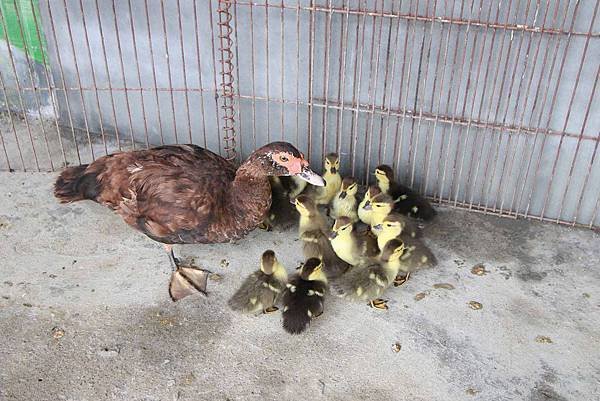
x: 488, y: 105
x: 114, y: 75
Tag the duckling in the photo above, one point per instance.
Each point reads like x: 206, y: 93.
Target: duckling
x: 261, y: 290
x: 293, y: 186
x: 281, y: 213
x: 368, y: 281
x: 304, y: 296
x: 393, y: 225
x: 417, y: 254
x: 333, y: 181
x: 365, y: 209
x: 344, y: 202
x: 350, y: 246
x: 408, y: 202
x: 313, y: 232
x: 382, y: 205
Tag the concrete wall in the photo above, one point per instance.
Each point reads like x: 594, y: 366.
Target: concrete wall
x: 398, y: 64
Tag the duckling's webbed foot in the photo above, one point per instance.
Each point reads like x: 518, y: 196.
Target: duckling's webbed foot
x: 399, y: 280
x: 185, y: 280
x: 266, y: 225
x: 270, y: 309
x: 378, y: 304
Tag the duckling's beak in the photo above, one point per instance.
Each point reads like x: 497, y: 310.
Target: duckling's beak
x: 343, y: 194
x: 333, y: 170
x: 333, y: 234
x: 378, y: 227
x: 368, y: 205
x: 311, y: 177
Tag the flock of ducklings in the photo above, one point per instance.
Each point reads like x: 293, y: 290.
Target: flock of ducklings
x: 372, y: 245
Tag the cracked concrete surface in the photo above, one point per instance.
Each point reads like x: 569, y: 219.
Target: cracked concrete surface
x: 85, y: 315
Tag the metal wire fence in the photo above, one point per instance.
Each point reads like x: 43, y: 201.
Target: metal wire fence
x: 486, y: 105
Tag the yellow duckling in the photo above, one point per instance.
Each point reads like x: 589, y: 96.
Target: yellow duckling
x: 365, y: 209
x: 382, y: 206
x: 261, y: 290
x: 417, y: 255
x: 408, y: 202
x: 333, y: 181
x: 350, y: 246
x: 368, y: 281
x: 303, y: 298
x: 344, y: 202
x: 313, y: 230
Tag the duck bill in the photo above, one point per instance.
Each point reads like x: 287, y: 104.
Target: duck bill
x: 332, y: 235
x: 343, y: 195
x: 378, y: 227
x: 311, y: 177
x: 367, y: 206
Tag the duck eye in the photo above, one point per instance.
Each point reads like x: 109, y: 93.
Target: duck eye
x: 388, y: 225
x: 283, y: 158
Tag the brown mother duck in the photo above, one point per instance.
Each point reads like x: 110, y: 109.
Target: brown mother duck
x: 184, y: 194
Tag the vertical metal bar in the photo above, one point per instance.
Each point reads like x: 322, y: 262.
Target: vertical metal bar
x: 253, y: 75
x: 297, y: 73
x: 214, y: 54
x: 227, y: 91
x: 441, y: 92
x: 372, y: 94
x: 118, y: 36
x: 12, y: 123
x: 579, y: 140
x: 568, y: 115
x: 510, y: 93
x: 150, y: 46
x: 553, y: 102
x: 36, y: 94
x: 383, y: 139
x: 267, y: 80
x: 64, y: 84
x: 425, y: 82
x: 342, y: 73
x: 491, y: 99
x: 139, y: 75
x: 19, y: 95
x: 169, y: 81
x: 356, y: 94
x: 521, y: 81
x: 49, y: 82
x: 94, y: 81
x: 398, y: 156
x: 183, y: 62
x: 281, y: 29
x: 237, y: 69
x: 454, y: 57
x: 8, y: 166
x: 311, y: 62
x: 328, y: 36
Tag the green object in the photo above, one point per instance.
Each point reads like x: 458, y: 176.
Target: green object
x: 24, y: 13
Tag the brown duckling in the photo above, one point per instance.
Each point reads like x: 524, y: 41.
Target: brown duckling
x: 344, y: 203
x: 365, y: 209
x: 282, y: 213
x: 293, y: 185
x: 368, y: 281
x: 184, y: 194
x: 333, y: 181
x: 349, y: 245
x: 408, y: 202
x: 261, y: 290
x: 314, y: 231
x: 304, y: 296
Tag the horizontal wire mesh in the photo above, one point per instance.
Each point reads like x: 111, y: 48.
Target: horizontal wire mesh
x: 486, y: 105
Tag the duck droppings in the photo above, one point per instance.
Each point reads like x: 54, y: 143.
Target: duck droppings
x: 58, y: 333
x: 224, y: 263
x: 543, y: 340
x: 215, y: 277
x: 475, y: 305
x: 445, y: 286
x: 471, y: 391
x: 479, y: 270
x: 396, y: 347
x: 420, y: 296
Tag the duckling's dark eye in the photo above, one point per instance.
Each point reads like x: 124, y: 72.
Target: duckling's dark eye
x: 283, y: 159
x: 388, y: 225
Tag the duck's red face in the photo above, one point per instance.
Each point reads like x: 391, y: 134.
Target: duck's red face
x: 283, y: 159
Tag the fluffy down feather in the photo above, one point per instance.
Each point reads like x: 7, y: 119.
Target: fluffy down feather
x: 258, y: 292
x: 302, y: 301
x: 364, y: 283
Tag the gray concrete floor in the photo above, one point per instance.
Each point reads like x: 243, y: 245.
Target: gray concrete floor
x: 85, y: 315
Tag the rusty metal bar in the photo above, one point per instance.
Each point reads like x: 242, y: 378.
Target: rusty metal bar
x: 214, y: 35
x: 227, y: 92
x: 423, y: 18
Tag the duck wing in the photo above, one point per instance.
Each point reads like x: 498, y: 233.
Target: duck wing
x: 170, y: 193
